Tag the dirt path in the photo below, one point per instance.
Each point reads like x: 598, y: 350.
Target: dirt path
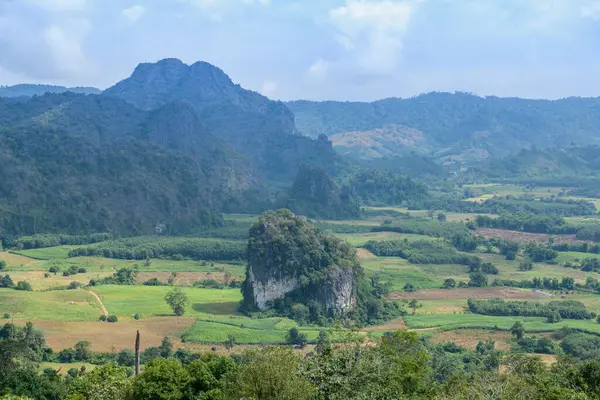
x: 104, y: 310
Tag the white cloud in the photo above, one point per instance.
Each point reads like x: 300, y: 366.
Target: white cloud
x: 134, y: 13
x: 66, y: 49
x: 373, y: 30
x: 269, y: 88
x: 318, y: 70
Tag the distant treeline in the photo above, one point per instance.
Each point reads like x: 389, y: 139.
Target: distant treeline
x: 143, y: 247
x: 422, y: 226
x: 51, y: 240
x: 566, y: 283
x: 527, y: 223
x: 568, y: 309
x: 420, y: 252
x: 508, y: 204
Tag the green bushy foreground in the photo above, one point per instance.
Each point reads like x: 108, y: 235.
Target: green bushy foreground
x: 399, y: 366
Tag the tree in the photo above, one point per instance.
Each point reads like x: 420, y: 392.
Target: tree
x: 409, y: 288
x: 414, y: 304
x: 554, y: 317
x: 441, y: 217
x: 166, y: 348
x: 83, y: 350
x: 271, y: 373
x: 177, y: 300
x: 478, y: 279
x: 2, y: 264
x: 517, y: 330
x: 230, y: 342
x: 126, y: 358
x: 105, y: 382
x: 526, y: 265
x: 295, y: 337
x: 449, y: 284
x: 323, y: 343
x: 162, y: 379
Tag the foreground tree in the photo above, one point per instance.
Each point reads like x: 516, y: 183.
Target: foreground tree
x: 271, y: 373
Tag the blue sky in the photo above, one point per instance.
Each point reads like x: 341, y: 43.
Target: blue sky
x: 315, y: 49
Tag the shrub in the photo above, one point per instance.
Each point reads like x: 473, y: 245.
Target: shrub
x: 74, y: 285
x: 102, y: 318
x: 23, y: 285
x: 6, y: 316
x: 111, y: 318
x: 136, y: 316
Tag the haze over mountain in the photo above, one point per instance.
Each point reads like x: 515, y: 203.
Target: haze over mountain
x: 28, y: 90
x: 453, y: 127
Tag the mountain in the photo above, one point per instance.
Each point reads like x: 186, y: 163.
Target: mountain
x: 164, y: 151
x: 75, y: 163
x: 454, y: 128
x: 261, y: 129
x: 29, y: 90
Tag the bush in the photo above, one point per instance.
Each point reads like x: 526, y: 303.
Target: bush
x: 136, y: 316
x: 6, y: 316
x: 23, y: 285
x: 111, y: 318
x: 102, y: 318
x: 2, y: 265
x: 74, y: 285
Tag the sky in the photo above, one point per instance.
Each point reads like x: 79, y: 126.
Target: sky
x: 358, y: 50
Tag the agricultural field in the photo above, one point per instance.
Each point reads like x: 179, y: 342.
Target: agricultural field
x: 212, y: 317
x: 482, y: 192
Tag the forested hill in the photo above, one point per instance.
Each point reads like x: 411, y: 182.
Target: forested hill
x: 465, y: 126
x: 28, y: 90
x: 164, y: 151
x: 543, y: 163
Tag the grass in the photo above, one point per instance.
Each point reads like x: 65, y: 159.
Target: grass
x: 467, y: 320
x: 214, y: 332
x: 47, y: 253
x: 359, y: 239
x: 66, y: 305
x: 148, y: 301
x: 63, y: 368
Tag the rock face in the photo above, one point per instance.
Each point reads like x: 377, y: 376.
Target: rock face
x: 292, y: 262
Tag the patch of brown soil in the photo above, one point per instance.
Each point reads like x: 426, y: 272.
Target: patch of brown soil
x: 471, y: 293
x: 469, y: 338
x: 525, y: 237
x: 364, y: 254
x: 183, y: 278
x: 107, y: 337
x: 16, y: 259
x: 390, y: 326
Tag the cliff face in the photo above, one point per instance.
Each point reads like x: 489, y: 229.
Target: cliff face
x: 291, y: 262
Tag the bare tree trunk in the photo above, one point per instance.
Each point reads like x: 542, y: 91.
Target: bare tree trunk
x: 137, y: 353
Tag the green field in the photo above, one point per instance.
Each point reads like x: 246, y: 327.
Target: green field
x: 64, y: 305
x: 467, y: 320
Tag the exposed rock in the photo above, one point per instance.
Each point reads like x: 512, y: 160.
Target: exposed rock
x: 289, y: 260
